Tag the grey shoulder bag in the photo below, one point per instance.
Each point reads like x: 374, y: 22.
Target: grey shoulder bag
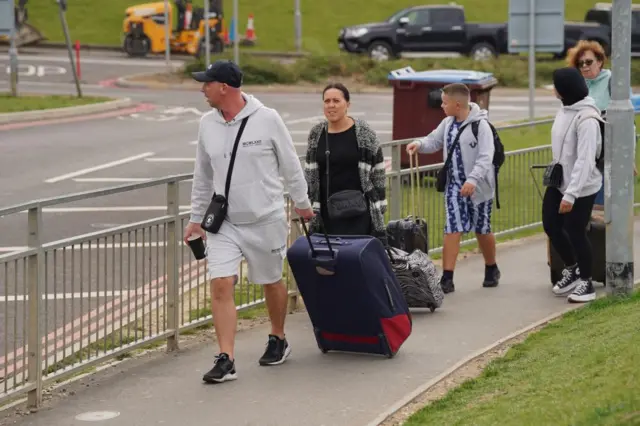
x: 343, y: 204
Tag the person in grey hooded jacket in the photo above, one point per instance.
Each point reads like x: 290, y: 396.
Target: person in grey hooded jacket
x: 470, y: 184
x: 576, y: 142
x: 256, y: 225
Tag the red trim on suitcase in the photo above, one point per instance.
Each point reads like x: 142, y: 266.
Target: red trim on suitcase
x: 348, y: 338
x: 397, y: 329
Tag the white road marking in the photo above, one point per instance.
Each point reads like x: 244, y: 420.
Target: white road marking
x: 312, y: 119
x: 54, y: 84
x: 106, y: 209
x: 111, y: 180
x: 100, y: 167
x: 521, y: 108
x: 95, y: 61
x: 68, y: 296
x: 170, y: 160
x: 95, y: 246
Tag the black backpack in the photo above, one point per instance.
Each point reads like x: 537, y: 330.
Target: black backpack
x: 498, y: 155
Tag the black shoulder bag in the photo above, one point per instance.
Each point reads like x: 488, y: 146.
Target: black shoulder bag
x: 217, y: 210
x: 441, y: 183
x: 343, y: 204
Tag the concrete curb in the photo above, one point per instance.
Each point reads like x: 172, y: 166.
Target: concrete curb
x: 66, y: 112
x: 431, y: 383
x: 53, y: 45
x: 127, y: 83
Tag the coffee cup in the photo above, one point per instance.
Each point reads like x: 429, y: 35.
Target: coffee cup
x: 196, y: 243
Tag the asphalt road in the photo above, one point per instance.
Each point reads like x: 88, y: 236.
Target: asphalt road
x: 53, y: 66
x: 45, y: 161
x: 50, y: 160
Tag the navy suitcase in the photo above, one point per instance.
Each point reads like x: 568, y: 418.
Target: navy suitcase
x: 351, y: 293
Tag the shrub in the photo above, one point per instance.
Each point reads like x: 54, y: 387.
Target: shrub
x: 509, y: 70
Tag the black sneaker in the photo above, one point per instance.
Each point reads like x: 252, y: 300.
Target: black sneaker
x: 277, y: 351
x: 584, y: 292
x: 447, y: 285
x: 223, y: 370
x: 569, y: 281
x: 491, y: 277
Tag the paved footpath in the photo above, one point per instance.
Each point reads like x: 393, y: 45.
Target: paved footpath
x: 314, y: 389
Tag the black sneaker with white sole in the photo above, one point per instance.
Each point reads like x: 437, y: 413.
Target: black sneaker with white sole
x: 569, y: 281
x: 277, y: 351
x: 584, y: 292
x: 224, y: 369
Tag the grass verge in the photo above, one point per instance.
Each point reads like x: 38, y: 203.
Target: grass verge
x: 23, y: 103
x: 273, y: 19
x: 590, y: 356
x: 510, y: 71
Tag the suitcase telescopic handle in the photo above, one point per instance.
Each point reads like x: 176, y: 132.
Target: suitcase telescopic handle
x: 326, y: 236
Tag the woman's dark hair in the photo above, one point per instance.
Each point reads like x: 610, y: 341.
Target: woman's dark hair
x: 341, y: 87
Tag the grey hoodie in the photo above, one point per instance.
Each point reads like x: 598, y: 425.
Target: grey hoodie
x: 265, y: 151
x: 477, y: 155
x: 575, y: 142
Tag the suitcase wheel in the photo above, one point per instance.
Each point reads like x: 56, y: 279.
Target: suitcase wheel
x: 385, y: 345
x: 432, y: 308
x: 316, y: 331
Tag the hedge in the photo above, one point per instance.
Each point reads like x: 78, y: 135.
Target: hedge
x: 510, y: 71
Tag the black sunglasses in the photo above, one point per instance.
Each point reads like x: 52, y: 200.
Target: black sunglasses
x: 587, y: 62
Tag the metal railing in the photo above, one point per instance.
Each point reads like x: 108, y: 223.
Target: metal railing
x: 75, y: 302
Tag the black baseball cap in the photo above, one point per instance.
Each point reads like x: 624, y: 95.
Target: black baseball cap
x: 222, y: 71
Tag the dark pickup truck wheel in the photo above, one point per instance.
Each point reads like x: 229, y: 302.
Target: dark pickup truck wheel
x: 380, y: 51
x: 482, y: 51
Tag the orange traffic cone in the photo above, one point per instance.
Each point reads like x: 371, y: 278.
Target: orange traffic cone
x: 250, y: 34
x: 187, y: 17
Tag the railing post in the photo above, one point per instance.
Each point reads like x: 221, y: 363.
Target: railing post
x: 294, y: 234
x: 34, y: 279
x: 173, y: 294
x: 395, y: 195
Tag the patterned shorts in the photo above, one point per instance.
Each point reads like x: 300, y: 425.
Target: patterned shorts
x: 461, y: 215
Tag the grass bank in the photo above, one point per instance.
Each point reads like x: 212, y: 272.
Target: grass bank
x: 510, y: 71
x: 33, y: 102
x: 273, y: 19
x: 580, y: 370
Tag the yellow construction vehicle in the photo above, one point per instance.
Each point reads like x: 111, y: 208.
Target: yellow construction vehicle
x: 144, y: 30
x: 25, y: 33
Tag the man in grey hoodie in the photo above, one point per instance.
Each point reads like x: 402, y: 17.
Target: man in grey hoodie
x: 256, y: 226
x: 470, y: 184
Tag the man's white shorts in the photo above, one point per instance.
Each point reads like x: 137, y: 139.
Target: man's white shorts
x: 263, y: 245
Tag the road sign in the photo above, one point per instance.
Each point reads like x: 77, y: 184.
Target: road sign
x: 7, y: 19
x: 548, y: 25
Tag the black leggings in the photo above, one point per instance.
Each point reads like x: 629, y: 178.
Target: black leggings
x: 568, y: 232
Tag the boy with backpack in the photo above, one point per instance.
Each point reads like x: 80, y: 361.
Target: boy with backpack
x: 472, y: 153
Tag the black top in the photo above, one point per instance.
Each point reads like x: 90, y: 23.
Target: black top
x: 344, y: 160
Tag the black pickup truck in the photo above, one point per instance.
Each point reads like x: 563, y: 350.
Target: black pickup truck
x: 443, y: 29
x: 600, y: 14
x: 431, y: 28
